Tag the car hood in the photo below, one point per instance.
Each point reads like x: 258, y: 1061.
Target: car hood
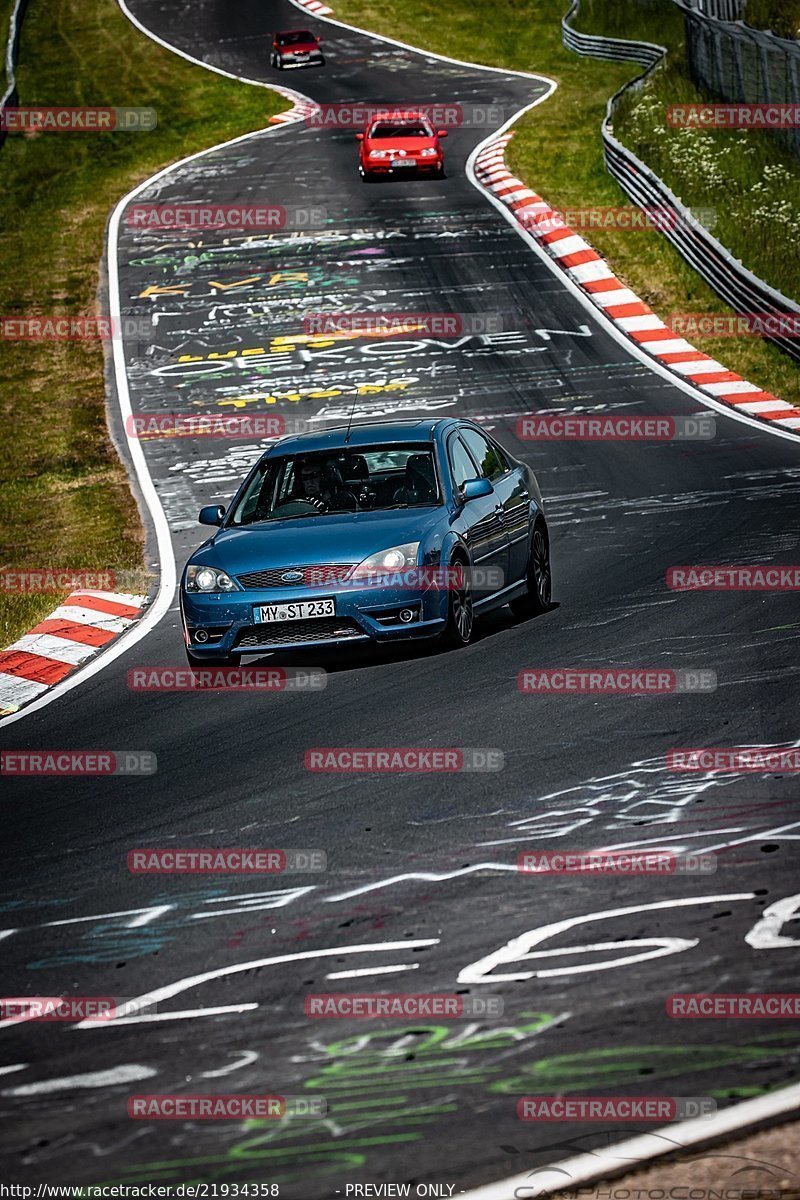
x: 295, y: 47
x: 304, y: 541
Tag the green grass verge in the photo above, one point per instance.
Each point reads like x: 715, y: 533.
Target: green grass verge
x: 749, y: 178
x: 781, y: 16
x: 557, y: 149
x: 65, y: 499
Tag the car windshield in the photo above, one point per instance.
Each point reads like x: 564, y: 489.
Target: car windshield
x: 292, y: 39
x: 398, y: 129
x: 368, y: 479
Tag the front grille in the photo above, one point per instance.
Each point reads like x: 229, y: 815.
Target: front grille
x: 281, y: 633
x: 315, y: 574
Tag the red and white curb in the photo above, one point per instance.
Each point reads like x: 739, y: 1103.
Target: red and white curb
x: 301, y: 108
x: 73, y: 633
x: 636, y: 319
x: 315, y: 7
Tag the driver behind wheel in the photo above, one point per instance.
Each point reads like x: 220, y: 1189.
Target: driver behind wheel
x: 320, y: 483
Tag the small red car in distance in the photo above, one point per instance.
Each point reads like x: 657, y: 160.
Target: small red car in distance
x: 406, y: 144
x: 296, y: 48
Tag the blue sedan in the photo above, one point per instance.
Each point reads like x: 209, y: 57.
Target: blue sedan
x: 379, y: 532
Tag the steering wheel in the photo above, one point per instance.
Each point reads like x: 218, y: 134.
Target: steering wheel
x: 299, y: 507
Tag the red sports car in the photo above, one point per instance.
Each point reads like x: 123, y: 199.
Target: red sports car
x: 296, y: 48
x: 402, y: 145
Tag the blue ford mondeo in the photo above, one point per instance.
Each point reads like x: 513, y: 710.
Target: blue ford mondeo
x: 372, y: 532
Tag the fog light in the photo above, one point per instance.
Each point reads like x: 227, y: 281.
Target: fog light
x: 201, y: 635
x: 406, y: 615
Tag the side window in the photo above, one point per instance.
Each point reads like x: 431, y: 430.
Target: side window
x: 492, y: 462
x: 461, y: 465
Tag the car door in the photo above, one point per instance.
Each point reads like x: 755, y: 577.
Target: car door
x: 511, y: 489
x: 481, y: 519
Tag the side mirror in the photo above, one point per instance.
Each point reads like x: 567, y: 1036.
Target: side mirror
x: 359, y: 137
x: 474, y: 488
x: 318, y: 40
x: 441, y: 133
x: 212, y: 514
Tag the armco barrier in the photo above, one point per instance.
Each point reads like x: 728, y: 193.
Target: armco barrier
x: 9, y: 97
x: 732, y: 61
x: 737, y: 286
x: 723, y: 10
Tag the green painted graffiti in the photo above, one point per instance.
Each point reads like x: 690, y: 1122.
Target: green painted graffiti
x: 618, y: 1067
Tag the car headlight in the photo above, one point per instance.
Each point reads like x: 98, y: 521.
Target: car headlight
x: 396, y: 558
x: 379, y: 153
x: 428, y: 152
x: 208, y: 579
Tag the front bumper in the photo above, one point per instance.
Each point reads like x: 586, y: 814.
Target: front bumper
x: 363, y: 614
x: 420, y: 166
x: 312, y: 60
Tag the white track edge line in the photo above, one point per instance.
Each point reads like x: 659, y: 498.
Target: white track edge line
x: 161, y: 605
x: 599, y: 315
x: 624, y: 1157
x: 458, y: 62
x: 166, y: 557
x: 494, y: 1191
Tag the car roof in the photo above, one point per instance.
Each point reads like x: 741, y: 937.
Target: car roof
x: 368, y: 434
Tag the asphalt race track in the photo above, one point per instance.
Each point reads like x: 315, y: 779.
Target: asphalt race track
x: 421, y: 869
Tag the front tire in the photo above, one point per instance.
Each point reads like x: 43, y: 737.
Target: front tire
x: 539, y: 580
x: 460, y: 609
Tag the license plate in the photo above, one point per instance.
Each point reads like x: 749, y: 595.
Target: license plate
x: 302, y: 610
x: 300, y: 57
x: 403, y: 162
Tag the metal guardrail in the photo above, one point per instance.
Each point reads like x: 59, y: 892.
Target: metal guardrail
x: 723, y: 10
x: 731, y: 60
x: 737, y: 286
x: 647, y: 54
x: 10, y: 98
